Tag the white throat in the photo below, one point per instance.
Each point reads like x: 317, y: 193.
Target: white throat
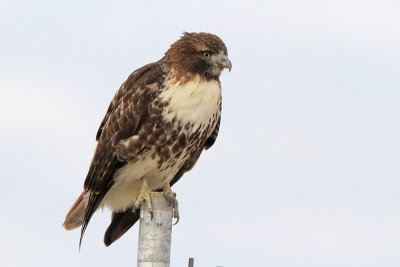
x: 195, y: 101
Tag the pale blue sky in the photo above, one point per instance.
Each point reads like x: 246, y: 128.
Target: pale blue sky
x: 305, y: 170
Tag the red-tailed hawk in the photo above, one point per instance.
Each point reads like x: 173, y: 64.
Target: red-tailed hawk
x: 158, y: 123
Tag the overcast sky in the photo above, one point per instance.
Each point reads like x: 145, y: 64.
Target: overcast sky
x: 306, y: 167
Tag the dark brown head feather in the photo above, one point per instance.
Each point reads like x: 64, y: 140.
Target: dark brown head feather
x: 186, y: 54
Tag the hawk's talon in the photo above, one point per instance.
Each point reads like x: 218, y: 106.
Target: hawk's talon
x: 177, y: 220
x: 146, y: 195
x: 171, y: 197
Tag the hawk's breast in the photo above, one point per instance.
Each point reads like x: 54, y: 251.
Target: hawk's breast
x: 196, y: 101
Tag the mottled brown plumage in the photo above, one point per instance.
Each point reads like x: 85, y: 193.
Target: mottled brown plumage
x: 156, y: 127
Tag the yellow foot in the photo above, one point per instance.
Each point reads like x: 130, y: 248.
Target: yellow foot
x: 146, y: 194
x: 171, y: 197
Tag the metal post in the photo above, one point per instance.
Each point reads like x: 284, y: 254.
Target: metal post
x: 155, y: 234
x: 191, y: 262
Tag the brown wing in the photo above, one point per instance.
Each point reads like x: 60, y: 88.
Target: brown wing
x: 211, y: 139
x: 123, y: 90
x: 125, y: 115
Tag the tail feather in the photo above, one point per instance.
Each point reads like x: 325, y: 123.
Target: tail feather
x: 120, y: 223
x: 94, y: 200
x: 76, y: 214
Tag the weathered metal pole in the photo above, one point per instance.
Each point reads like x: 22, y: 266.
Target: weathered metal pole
x: 154, y: 248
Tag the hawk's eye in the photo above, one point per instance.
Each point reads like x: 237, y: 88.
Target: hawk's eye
x: 207, y: 54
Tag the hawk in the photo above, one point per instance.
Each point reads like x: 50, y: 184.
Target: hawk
x: 156, y: 126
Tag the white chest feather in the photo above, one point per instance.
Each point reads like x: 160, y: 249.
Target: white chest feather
x: 195, y: 101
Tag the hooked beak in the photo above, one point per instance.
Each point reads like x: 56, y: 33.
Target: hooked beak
x: 224, y: 62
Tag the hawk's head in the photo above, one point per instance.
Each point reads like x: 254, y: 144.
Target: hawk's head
x: 199, y: 53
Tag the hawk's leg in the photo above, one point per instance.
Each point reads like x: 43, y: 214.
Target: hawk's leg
x: 171, y: 197
x: 146, y: 194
